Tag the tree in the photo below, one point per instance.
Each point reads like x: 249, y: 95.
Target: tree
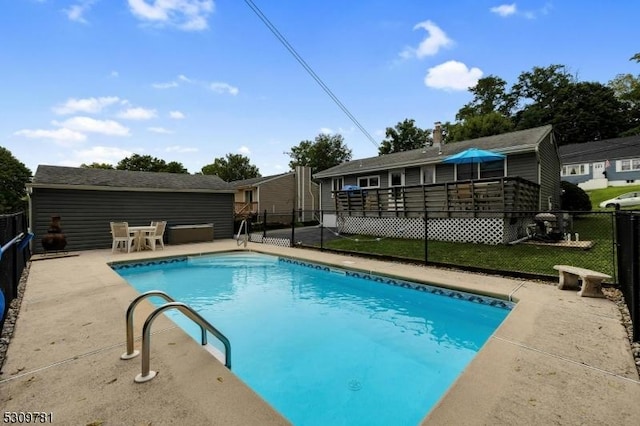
x: 14, y: 176
x: 147, y: 163
x: 627, y: 89
x: 233, y: 167
x: 175, y: 167
x: 492, y: 123
x: 324, y: 152
x: 588, y: 111
x: 490, y: 95
x: 537, y: 93
x: 105, y: 166
x: 404, y: 137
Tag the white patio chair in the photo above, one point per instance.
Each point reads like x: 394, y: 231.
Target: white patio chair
x: 121, y: 235
x: 156, y: 236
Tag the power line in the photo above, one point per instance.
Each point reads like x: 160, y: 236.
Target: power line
x: 309, y: 70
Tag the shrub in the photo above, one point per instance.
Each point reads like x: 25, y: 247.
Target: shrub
x: 574, y: 198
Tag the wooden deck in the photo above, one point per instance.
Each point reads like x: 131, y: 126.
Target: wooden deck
x: 510, y: 196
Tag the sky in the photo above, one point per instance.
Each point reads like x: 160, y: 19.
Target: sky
x: 85, y: 81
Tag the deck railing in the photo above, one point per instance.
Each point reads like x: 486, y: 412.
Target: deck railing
x: 468, y: 198
x: 241, y: 208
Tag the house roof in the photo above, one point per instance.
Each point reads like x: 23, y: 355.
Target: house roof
x: 506, y: 143
x: 608, y: 149
x: 100, y: 179
x: 256, y: 181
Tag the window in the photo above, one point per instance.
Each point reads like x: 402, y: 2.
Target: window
x: 466, y: 171
x: 336, y: 185
x: 248, y: 196
x: 492, y: 169
x: 396, y: 178
x: 575, y: 170
x: 428, y: 175
x: 396, y: 196
x: 369, y: 182
x: 628, y: 165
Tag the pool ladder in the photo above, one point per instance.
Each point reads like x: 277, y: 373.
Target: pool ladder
x: 245, y: 237
x: 147, y: 374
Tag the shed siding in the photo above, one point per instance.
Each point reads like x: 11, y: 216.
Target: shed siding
x: 85, y: 214
x: 278, y: 195
x: 524, y: 166
x: 549, y: 174
x: 412, y: 176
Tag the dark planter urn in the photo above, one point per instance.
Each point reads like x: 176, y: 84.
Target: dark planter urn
x: 54, y: 239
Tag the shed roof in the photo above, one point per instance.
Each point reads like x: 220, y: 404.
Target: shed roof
x: 100, y: 179
x: 608, y: 149
x: 256, y: 181
x: 506, y: 143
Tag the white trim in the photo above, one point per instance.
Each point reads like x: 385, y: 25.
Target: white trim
x: 402, y: 177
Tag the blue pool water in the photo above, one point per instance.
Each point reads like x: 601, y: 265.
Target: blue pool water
x: 327, y: 346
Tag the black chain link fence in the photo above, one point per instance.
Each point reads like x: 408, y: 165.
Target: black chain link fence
x: 13, y: 260
x: 509, y: 243
x: 628, y: 246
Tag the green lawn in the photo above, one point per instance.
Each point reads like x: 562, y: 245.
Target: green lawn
x: 599, y: 195
x: 527, y: 258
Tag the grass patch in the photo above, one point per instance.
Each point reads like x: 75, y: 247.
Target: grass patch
x: 527, y: 258
x: 599, y: 195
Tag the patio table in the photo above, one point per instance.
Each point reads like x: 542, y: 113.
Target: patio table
x: 140, y: 232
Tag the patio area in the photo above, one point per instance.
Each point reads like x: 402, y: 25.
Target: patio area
x: 557, y: 358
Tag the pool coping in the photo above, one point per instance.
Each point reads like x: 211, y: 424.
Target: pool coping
x: 557, y: 358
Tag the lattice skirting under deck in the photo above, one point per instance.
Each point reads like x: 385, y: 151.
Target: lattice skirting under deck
x: 468, y: 230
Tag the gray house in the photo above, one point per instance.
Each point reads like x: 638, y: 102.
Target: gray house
x: 87, y: 200
x: 599, y: 164
x: 496, y: 199
x: 279, y: 194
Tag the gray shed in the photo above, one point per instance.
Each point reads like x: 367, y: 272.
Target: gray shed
x: 87, y: 200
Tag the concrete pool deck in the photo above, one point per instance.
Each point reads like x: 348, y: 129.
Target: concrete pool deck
x: 556, y: 359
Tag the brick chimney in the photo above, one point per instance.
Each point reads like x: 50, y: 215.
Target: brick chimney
x: 437, y: 136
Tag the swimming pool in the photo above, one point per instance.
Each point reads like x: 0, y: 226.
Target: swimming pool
x: 324, y: 345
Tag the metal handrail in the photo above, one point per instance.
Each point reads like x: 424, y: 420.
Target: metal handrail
x: 146, y: 374
x: 246, y: 233
x: 131, y: 353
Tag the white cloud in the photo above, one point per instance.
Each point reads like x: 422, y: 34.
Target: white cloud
x: 184, y: 78
x: 220, y: 87
x: 452, y: 75
x: 160, y: 130
x: 326, y: 130
x: 504, y: 10
x: 137, y: 114
x: 64, y: 137
x: 176, y: 115
x: 188, y: 15
x: 88, y: 105
x: 167, y: 85
x: 244, y: 150
x: 91, y: 125
x: 180, y: 149
x: 76, y: 12
x: 99, y: 154
x: 436, y: 40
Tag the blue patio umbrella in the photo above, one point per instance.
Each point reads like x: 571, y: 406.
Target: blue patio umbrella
x: 473, y: 156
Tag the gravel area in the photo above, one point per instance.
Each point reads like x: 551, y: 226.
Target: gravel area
x: 12, y: 317
x: 612, y: 294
